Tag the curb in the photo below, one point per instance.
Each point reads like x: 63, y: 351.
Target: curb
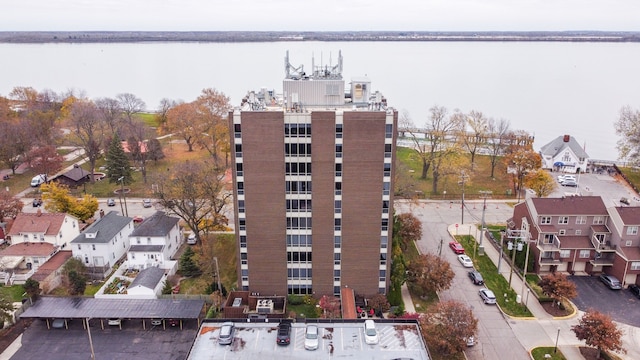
x: 573, y: 313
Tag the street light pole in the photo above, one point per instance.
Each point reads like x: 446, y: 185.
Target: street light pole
x: 485, y: 195
x: 557, y: 337
x: 463, y: 177
x: 126, y: 210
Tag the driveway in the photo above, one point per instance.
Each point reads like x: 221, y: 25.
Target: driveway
x: 621, y: 305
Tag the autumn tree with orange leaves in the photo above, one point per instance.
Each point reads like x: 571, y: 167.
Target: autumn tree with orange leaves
x: 447, y: 327
x: 557, y: 286
x: 521, y: 160
x: 599, y: 331
x: 429, y: 273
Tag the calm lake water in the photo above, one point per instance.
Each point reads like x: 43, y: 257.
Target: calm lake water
x: 548, y: 89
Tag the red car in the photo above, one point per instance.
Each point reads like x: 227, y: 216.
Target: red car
x: 456, y: 247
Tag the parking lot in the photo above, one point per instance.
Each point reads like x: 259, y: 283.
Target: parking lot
x: 610, y: 188
x: 111, y: 343
x: 621, y: 305
x: 339, y: 340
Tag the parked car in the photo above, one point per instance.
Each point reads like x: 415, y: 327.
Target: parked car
x: 57, y: 324
x: 146, y: 203
x: 37, y: 202
x: 570, y: 183
x: 611, y: 281
x: 471, y: 340
x: 635, y: 290
x: 465, y: 260
x: 456, y: 247
x: 563, y: 178
x: 476, y: 277
x: 38, y: 180
x: 284, y: 333
x: 226, y: 333
x: 311, y: 341
x: 191, y: 239
x: 111, y: 202
x: 156, y: 322
x: 114, y: 322
x: 370, y: 332
x: 487, y: 296
x: 173, y: 322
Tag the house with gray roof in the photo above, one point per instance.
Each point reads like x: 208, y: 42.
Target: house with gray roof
x: 147, y: 284
x: 154, y: 242
x: 103, y: 244
x: 565, y: 154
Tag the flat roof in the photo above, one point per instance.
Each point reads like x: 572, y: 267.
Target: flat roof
x: 77, y: 307
x: 257, y: 340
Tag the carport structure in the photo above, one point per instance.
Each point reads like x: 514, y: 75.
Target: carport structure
x: 90, y: 308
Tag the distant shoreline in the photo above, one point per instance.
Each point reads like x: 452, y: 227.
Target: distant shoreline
x: 26, y: 37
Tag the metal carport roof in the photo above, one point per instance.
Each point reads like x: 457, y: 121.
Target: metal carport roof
x: 76, y: 308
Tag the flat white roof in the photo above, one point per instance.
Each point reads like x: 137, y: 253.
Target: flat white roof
x: 257, y: 340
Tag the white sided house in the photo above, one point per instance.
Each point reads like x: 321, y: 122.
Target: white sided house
x: 154, y: 242
x: 564, y: 154
x: 57, y: 229
x: 148, y: 284
x: 103, y: 244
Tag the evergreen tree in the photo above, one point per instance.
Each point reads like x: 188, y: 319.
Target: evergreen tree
x: 188, y: 266
x: 118, y: 163
x: 32, y: 288
x: 167, y: 289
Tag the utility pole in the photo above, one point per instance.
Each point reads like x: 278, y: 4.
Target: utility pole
x: 463, y: 178
x: 484, y: 194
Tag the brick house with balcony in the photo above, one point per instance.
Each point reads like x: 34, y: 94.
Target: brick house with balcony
x: 568, y: 234
x: 625, y: 224
x: 578, y: 234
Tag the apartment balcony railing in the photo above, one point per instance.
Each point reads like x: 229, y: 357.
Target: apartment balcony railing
x: 550, y: 261
x: 602, y: 261
x: 549, y: 246
x: 602, y: 246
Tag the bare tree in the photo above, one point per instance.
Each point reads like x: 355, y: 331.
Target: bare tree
x: 10, y: 206
x: 88, y: 130
x: 130, y: 105
x: 137, y: 135
x: 496, y: 133
x: 14, y: 143
x: 195, y: 192
x: 474, y: 139
x: 45, y: 160
x: 627, y: 127
x: 111, y: 114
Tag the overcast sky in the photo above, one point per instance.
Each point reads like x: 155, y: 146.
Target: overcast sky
x: 314, y: 15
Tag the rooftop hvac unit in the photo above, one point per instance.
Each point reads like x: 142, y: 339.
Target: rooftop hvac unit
x: 264, y: 306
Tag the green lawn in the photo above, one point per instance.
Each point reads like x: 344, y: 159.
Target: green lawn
x: 494, y: 281
x: 12, y: 293
x: 479, y: 178
x: 540, y: 352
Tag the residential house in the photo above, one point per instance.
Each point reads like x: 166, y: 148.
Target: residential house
x: 148, y: 283
x: 20, y: 261
x: 74, y: 177
x: 568, y: 234
x: 578, y: 234
x: 103, y: 244
x: 57, y: 229
x: 564, y: 154
x: 49, y: 275
x: 154, y: 241
x: 625, y: 240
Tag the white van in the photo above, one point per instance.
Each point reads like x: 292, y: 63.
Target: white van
x: 38, y: 180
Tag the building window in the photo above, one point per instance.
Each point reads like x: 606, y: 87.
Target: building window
x: 338, y: 131
x: 338, y: 188
x: 336, y: 258
x: 628, y: 243
x: 387, y: 169
x: 562, y: 232
x: 388, y: 131
x: 598, y: 220
x: 547, y: 239
x: 385, y: 224
x: 584, y: 254
x: 545, y: 220
x: 386, y: 186
x: 563, y: 220
x: 86, y: 259
x: 632, y: 230
x: 79, y: 247
x: 581, y: 220
x: 337, y: 206
x: 565, y: 253
x: 578, y: 232
x: 635, y: 265
x: 338, y: 150
x: 93, y: 246
x: 338, y: 169
x: 239, y: 169
x: 337, y: 223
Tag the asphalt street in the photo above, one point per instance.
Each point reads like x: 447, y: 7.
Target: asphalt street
x: 499, y: 336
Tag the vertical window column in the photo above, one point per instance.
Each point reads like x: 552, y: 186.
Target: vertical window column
x: 337, y: 200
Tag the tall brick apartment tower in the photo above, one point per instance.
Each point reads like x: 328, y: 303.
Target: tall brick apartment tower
x: 313, y: 185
